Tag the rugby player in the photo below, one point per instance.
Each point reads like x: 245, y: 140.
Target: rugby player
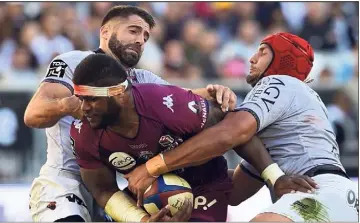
x: 125, y: 125
x: 58, y: 193
x: 291, y: 120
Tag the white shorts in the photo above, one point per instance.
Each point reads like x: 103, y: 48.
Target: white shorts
x: 336, y: 200
x: 57, y: 194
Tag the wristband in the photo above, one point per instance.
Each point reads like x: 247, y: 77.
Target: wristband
x: 272, y: 173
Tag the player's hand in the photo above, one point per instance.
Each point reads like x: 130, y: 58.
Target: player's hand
x: 72, y: 106
x: 223, y: 95
x: 292, y: 183
x: 139, y: 180
x: 183, y: 214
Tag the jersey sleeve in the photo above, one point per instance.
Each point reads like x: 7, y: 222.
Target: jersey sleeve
x: 84, y: 150
x: 60, y: 72
x: 145, y: 76
x: 268, y: 101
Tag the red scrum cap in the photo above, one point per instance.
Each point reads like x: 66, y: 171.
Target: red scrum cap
x: 292, y: 56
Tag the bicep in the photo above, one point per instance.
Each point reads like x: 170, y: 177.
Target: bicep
x: 48, y: 91
x: 238, y: 127
x: 101, y: 182
x: 44, y: 103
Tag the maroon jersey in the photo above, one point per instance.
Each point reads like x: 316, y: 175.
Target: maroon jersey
x: 167, y: 116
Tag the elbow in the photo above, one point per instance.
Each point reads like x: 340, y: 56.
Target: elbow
x: 30, y: 119
x: 33, y: 120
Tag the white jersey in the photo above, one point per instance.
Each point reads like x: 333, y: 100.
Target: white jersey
x: 60, y: 70
x: 292, y: 123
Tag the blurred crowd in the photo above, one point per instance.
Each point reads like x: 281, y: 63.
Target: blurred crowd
x: 192, y: 40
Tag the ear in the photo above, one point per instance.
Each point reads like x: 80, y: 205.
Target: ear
x: 105, y: 32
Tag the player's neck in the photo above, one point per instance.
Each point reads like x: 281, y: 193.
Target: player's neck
x: 128, y: 121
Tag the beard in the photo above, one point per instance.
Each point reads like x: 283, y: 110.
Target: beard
x: 252, y: 79
x: 112, y: 116
x: 128, y: 59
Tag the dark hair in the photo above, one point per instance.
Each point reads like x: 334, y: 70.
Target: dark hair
x: 125, y: 11
x: 99, y: 70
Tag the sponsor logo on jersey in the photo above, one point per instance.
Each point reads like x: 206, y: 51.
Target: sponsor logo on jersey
x: 203, y: 202
x: 353, y: 200
x: 57, y: 69
x: 138, y: 146
x: 166, y: 140
x: 168, y: 102
x: 311, y: 210
x: 78, y: 124
x: 204, y: 112
x: 73, y: 198
x: 72, y: 142
x: 122, y: 161
x: 193, y: 107
x: 145, y: 155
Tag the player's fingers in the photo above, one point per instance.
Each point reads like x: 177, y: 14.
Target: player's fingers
x: 311, y: 181
x: 303, y: 186
x: 219, y: 93
x: 232, y: 101
x: 210, y: 88
x: 162, y: 214
x: 185, y: 212
x: 226, y: 99
x: 280, y: 193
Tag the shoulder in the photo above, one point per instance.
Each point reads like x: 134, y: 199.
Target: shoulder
x: 70, y: 59
x: 157, y: 98
x: 142, y: 72
x: 74, y: 55
x: 152, y: 92
x: 276, y: 83
x: 145, y: 76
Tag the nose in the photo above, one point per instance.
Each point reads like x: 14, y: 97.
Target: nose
x: 253, y: 59
x: 85, y: 106
x: 140, y: 39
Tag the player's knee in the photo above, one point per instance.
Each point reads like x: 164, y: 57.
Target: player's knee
x: 270, y: 217
x: 72, y: 218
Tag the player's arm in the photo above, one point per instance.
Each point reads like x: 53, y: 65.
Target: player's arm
x: 53, y: 99
x: 101, y: 182
x: 236, y: 129
x: 50, y: 103
x: 99, y: 179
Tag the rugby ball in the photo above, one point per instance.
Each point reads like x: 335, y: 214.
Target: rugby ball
x: 167, y: 189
